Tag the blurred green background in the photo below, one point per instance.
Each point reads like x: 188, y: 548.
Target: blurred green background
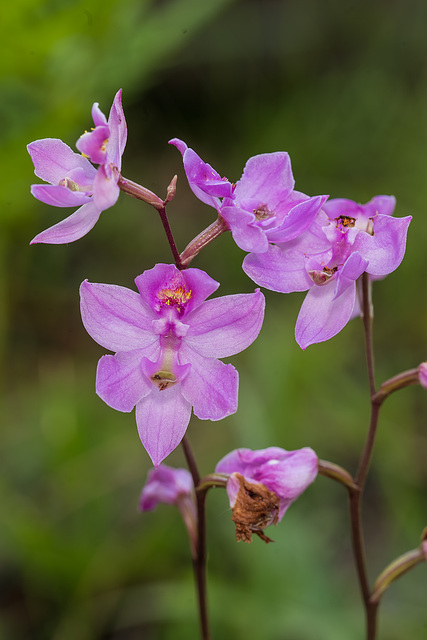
x: 341, y: 86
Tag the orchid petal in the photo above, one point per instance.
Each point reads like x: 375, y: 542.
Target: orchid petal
x: 278, y: 269
x: 105, y: 188
x: 322, y: 315
x: 163, y: 276
x: 59, y: 196
x: 267, y: 177
x: 118, y: 131
x: 53, y: 159
x: 299, y: 218
x: 72, y: 228
x: 246, y: 234
x: 162, y: 418
x: 386, y: 248
x: 98, y: 116
x: 116, y: 317
x: 224, y: 326
x: 353, y: 268
x: 120, y: 382
x: 93, y: 144
x: 210, y: 386
x: 204, y: 181
x: 165, y: 484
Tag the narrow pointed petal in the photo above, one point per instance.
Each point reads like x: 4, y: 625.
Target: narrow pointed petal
x: 120, y: 382
x: 116, y: 317
x: 322, y: 315
x: 118, y: 131
x: 162, y: 418
x: 278, y: 269
x: 53, y: 159
x: 204, y: 181
x: 72, y: 228
x: 59, y: 196
x: 98, y: 116
x: 222, y: 327
x: 210, y: 386
x: 298, y: 220
x: 386, y: 248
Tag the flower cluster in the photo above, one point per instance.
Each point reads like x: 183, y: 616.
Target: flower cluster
x: 297, y: 243
x: 167, y: 338
x: 74, y: 181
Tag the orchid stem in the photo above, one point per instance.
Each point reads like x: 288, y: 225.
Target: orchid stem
x: 199, y: 562
x: 141, y: 193
x: 356, y: 497
x: 202, y: 240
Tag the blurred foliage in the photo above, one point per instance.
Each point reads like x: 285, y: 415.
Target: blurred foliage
x: 342, y: 86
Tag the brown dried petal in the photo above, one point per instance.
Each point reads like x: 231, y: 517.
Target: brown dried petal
x: 255, y: 508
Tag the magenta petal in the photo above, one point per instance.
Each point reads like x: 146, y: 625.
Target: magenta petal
x: 120, y: 382
x: 165, y: 484
x: 245, y: 460
x: 297, y: 221
x: 278, y: 269
x: 353, y: 268
x: 210, y: 386
x: 105, y: 188
x: 224, y: 326
x: 116, y: 317
x: 267, y: 177
x: 93, y: 144
x: 118, y: 131
x: 72, y: 228
x: 204, y: 181
x: 98, y: 117
x: 53, y: 160
x: 386, y: 248
x: 322, y: 315
x: 163, y: 276
x: 162, y: 418
x: 59, y: 196
x: 342, y: 207
x: 246, y: 234
x: 384, y: 205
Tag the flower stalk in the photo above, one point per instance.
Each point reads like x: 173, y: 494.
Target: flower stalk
x: 202, y: 240
x: 199, y: 559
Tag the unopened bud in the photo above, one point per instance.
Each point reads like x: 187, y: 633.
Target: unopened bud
x: 171, y: 190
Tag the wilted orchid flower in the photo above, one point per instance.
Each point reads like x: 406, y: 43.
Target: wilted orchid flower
x: 262, y: 207
x: 345, y: 240
x: 264, y: 483
x: 74, y: 181
x: 168, y: 339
